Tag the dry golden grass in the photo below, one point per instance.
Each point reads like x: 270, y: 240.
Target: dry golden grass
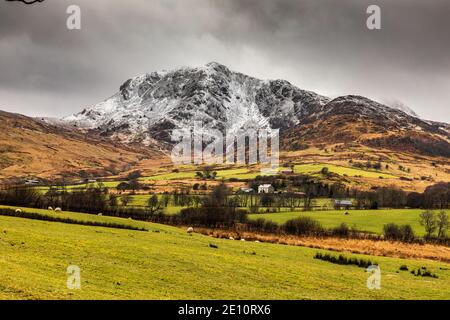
x: 32, y: 148
x: 361, y: 246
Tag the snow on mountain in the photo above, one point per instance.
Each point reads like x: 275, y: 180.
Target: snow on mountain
x: 403, y: 107
x: 148, y: 107
x: 151, y: 105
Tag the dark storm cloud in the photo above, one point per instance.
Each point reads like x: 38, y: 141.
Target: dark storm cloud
x: 321, y: 45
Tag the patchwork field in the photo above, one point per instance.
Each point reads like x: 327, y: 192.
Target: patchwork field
x: 167, y: 263
x: 341, y: 170
x: 363, y: 220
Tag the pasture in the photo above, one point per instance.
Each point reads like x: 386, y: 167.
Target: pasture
x: 341, y: 170
x: 168, y: 263
x: 363, y: 220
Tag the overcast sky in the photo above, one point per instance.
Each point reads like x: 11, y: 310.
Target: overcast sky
x: 319, y: 45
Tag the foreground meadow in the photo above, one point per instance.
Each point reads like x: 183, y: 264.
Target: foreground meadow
x: 167, y: 263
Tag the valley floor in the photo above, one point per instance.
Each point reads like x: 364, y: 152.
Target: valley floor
x: 167, y: 263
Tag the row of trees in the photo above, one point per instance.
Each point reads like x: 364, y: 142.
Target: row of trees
x: 434, y: 197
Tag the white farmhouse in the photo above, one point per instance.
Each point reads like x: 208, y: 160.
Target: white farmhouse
x: 266, y: 188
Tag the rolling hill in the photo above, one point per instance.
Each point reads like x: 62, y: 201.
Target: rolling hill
x: 33, y: 148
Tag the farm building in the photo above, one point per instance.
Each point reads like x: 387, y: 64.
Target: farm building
x: 32, y: 182
x: 342, y: 203
x: 266, y: 188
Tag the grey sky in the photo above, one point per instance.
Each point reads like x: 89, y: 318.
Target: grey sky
x: 319, y: 45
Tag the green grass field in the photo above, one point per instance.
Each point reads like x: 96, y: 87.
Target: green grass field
x: 167, y: 263
x: 341, y: 170
x: 237, y: 173
x: 363, y: 220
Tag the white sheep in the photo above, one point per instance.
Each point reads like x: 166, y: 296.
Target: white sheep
x: 231, y: 238
x: 256, y: 241
x: 242, y: 239
x: 190, y: 230
x: 50, y: 208
x: 18, y: 211
x: 130, y: 218
x: 100, y: 214
x: 58, y: 209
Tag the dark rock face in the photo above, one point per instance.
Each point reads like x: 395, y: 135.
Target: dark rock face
x: 151, y: 106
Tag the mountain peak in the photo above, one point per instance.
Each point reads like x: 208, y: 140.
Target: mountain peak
x: 214, y: 64
x: 149, y: 107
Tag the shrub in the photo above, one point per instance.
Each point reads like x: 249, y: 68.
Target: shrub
x: 270, y: 226
x: 134, y: 175
x: 302, y: 226
x: 407, y: 233
x: 403, y: 233
x: 341, y: 231
x: 341, y: 259
x: 211, y: 216
x: 424, y: 273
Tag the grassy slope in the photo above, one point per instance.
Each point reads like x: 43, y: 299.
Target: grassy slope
x: 79, y: 216
x: 32, y: 148
x: 341, y: 170
x: 167, y: 263
x: 365, y: 220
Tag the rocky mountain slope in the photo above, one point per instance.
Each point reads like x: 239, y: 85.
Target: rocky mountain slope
x: 147, y: 108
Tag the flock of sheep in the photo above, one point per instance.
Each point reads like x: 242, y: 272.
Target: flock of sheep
x: 49, y: 208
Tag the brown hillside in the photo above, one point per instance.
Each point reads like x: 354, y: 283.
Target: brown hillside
x: 31, y: 148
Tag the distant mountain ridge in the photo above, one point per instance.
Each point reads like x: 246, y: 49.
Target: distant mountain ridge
x: 147, y: 108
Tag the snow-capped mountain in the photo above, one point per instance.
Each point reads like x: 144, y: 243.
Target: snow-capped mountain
x: 151, y: 105
x: 403, y: 107
x: 147, y: 108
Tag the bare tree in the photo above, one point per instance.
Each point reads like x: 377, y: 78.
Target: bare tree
x: 428, y: 220
x: 442, y: 223
x: 153, y: 204
x: 125, y: 200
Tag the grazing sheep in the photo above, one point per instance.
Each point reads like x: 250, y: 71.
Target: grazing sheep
x: 242, y: 239
x: 190, y: 230
x: 231, y: 238
x: 130, y: 218
x: 50, y: 208
x: 58, y: 209
x: 256, y: 241
x: 100, y: 214
x: 18, y: 211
